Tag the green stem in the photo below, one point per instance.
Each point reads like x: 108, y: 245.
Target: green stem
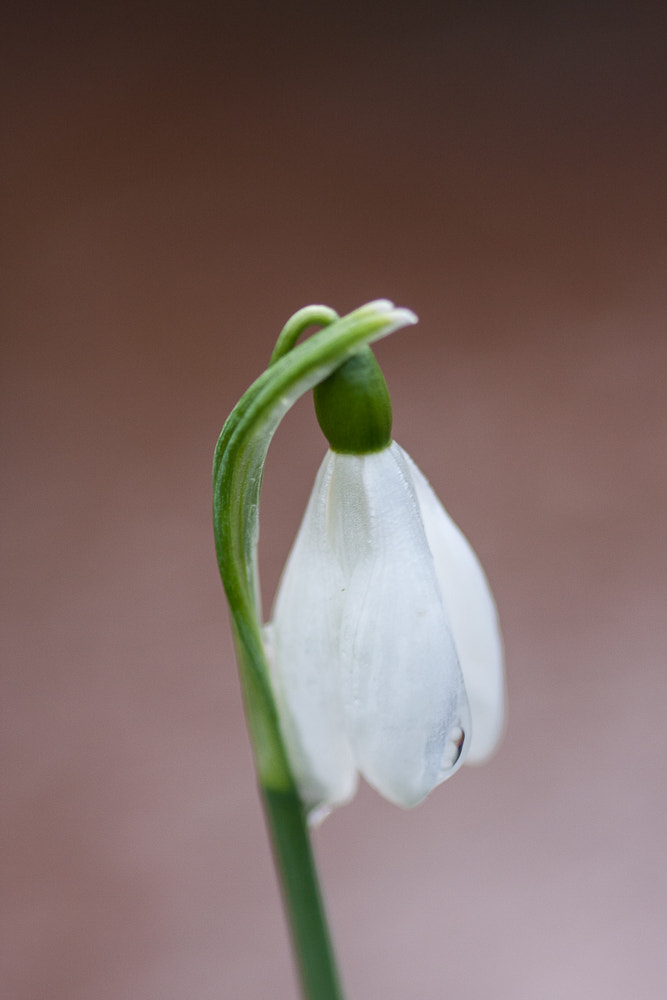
x: 286, y: 819
x: 237, y: 477
x: 298, y: 324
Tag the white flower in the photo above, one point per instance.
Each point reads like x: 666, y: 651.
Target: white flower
x: 385, y: 650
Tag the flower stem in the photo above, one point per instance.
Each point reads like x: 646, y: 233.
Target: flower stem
x: 286, y: 819
x: 237, y: 477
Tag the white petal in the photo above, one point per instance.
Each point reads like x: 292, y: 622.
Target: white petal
x: 404, y: 701
x: 303, y: 651
x: 473, y: 617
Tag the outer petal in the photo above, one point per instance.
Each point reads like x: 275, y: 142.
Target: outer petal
x: 303, y: 644
x: 404, y: 702
x: 474, y: 620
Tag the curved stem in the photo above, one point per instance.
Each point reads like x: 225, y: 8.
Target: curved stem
x: 237, y: 477
x: 298, y: 324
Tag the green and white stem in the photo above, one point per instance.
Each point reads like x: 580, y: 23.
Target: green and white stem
x: 237, y: 477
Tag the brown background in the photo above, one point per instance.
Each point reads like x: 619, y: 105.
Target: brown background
x: 177, y: 180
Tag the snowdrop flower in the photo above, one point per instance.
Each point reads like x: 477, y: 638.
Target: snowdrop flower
x: 384, y: 646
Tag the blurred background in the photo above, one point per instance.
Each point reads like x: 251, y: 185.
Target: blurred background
x: 177, y: 180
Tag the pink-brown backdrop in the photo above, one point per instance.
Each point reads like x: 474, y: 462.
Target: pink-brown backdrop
x: 177, y: 180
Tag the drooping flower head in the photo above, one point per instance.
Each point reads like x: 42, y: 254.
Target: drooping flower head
x: 383, y: 656
x: 384, y: 647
